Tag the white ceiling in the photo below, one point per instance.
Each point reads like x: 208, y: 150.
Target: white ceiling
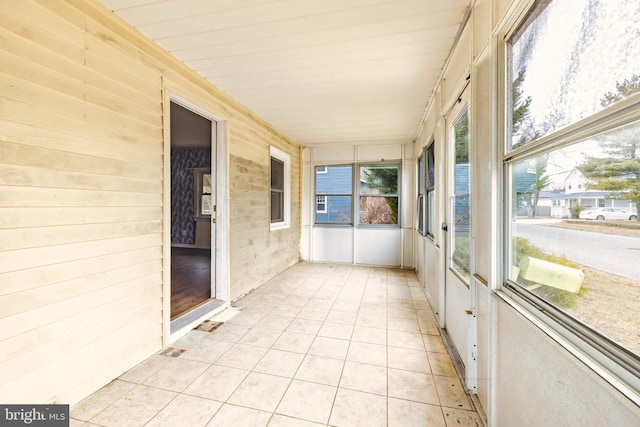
x: 320, y: 71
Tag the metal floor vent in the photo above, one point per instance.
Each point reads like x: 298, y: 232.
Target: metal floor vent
x: 172, y: 352
x: 208, y: 326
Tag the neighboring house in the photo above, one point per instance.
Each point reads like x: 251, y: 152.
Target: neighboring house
x: 577, y: 194
x: 575, y: 182
x: 334, y: 194
x: 462, y: 204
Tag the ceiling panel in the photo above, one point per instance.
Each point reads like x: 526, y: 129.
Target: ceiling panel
x: 330, y: 71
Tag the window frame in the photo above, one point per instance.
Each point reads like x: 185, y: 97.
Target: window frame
x: 326, y: 167
x: 431, y: 147
x: 421, y: 187
x: 285, y: 158
x: 199, y: 194
x: 355, y: 194
x: 615, y: 364
x: 359, y: 195
x: 454, y: 196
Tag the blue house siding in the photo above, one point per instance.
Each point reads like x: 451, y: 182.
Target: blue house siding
x: 462, y: 179
x: 462, y: 204
x: 337, y: 185
x: 337, y: 180
x: 339, y: 210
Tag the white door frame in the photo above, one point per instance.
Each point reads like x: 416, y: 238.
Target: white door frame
x: 459, y: 315
x: 219, y: 230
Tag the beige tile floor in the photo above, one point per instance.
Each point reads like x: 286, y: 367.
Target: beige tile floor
x: 319, y: 345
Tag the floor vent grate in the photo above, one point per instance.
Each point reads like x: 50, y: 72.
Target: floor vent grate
x: 172, y: 352
x: 208, y: 326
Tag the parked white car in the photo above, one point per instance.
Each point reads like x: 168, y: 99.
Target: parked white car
x: 607, y: 213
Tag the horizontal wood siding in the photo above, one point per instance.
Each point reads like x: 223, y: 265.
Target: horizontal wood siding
x: 258, y: 253
x: 81, y: 197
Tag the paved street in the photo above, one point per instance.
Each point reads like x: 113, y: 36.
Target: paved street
x: 606, y: 252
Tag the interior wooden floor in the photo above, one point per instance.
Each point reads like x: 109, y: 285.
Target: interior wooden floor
x: 190, y: 279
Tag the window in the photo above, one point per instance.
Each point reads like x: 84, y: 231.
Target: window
x: 461, y: 200
x: 335, y: 185
x: 430, y: 190
x: 573, y: 77
x: 321, y: 204
x: 421, y: 188
x: 277, y: 190
x: 280, y: 188
x: 426, y: 191
x: 379, y: 195
x: 203, y: 192
x: 568, y: 61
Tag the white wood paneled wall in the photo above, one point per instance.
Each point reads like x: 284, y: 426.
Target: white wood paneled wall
x: 81, y: 182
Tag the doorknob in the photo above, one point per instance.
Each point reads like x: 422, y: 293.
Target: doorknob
x: 445, y: 227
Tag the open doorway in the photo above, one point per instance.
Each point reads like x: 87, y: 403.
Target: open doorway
x: 193, y: 153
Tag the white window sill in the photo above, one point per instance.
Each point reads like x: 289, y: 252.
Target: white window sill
x: 279, y: 226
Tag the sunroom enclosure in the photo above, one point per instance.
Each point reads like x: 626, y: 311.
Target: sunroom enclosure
x: 539, y: 313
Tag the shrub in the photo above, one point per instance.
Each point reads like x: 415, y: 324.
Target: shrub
x: 461, y: 256
x: 575, y: 211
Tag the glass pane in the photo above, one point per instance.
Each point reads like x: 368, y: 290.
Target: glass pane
x: 334, y: 180
x: 206, y: 183
x: 420, y: 213
x: 378, y: 210
x: 335, y: 185
x: 338, y: 211
x: 431, y: 213
x: 571, y: 60
x: 461, y: 236
x: 460, y: 221
x: 421, y: 190
x: 277, y: 206
x: 431, y: 167
x: 205, y: 205
x: 421, y: 186
x: 577, y: 255
x: 379, y: 180
x: 277, y: 174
